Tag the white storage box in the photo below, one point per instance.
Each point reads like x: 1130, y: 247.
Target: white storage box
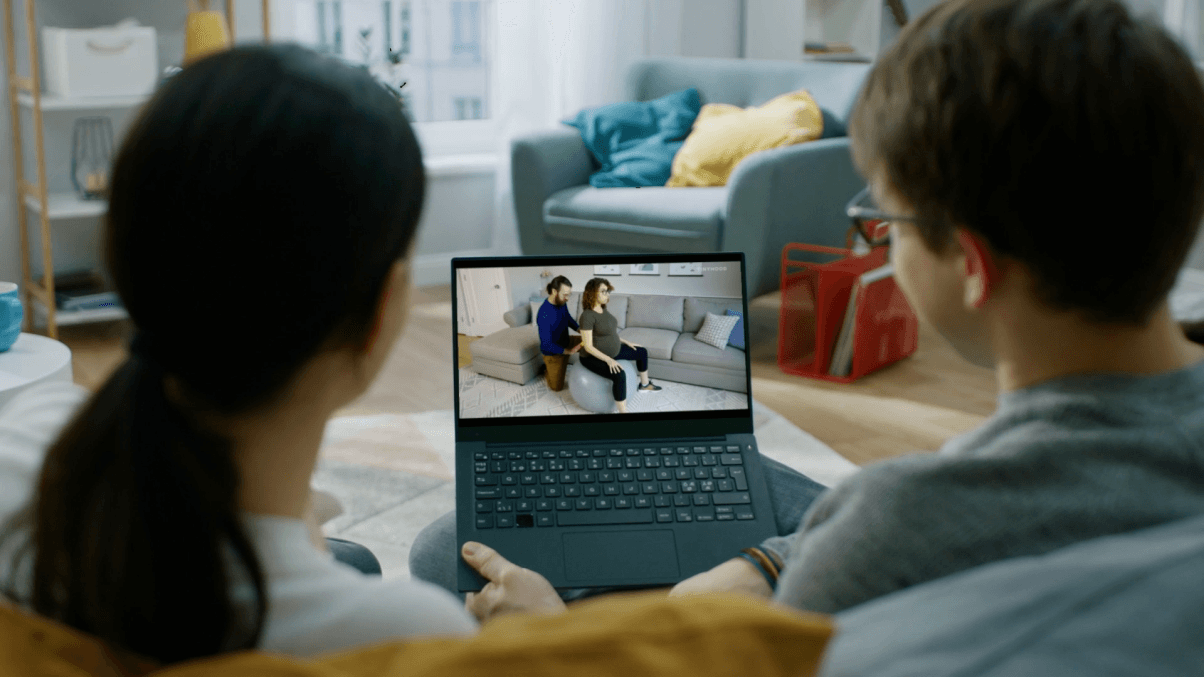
x: 115, y: 61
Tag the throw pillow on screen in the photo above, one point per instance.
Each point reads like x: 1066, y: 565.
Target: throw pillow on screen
x: 737, y: 338
x: 716, y: 329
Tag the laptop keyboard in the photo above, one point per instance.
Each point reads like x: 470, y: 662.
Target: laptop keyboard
x: 548, y: 487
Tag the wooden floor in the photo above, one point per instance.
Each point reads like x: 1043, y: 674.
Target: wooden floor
x: 912, y: 405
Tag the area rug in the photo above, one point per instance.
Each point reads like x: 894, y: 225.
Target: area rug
x: 393, y: 473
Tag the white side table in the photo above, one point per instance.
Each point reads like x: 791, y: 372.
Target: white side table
x: 31, y: 360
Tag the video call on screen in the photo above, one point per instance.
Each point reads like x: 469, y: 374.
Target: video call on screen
x: 514, y: 362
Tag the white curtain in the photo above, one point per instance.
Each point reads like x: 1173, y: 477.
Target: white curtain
x: 556, y: 57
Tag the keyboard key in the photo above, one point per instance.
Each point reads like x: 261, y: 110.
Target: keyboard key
x: 702, y: 474
x: 480, y: 456
x: 572, y: 491
x: 622, y: 503
x: 744, y: 513
x: 726, y: 485
x: 579, y: 519
x: 480, y: 467
x: 504, y: 521
x: 587, y: 477
x: 576, y: 464
x: 633, y: 452
x: 564, y: 453
x: 548, y: 478
x: 664, y: 474
x: 556, y: 466
x: 596, y: 463
x: 689, y: 486
x: 720, y: 509
x: 514, y: 455
x: 485, y: 480
x: 484, y: 506
x: 509, y: 479
x: 666, y: 488
x: 652, y: 462
x: 643, y: 502
x: 685, y: 516
x: 683, y: 450
x: 737, y: 475
x: 716, y: 450
x: 709, y: 459
x: 719, y: 472
x: 603, y: 503
x: 633, y: 463
x: 663, y: 501
x: 650, y: 452
x: 614, y: 463
x: 606, y: 476
x: 568, y: 478
x: 517, y: 467
x: 489, y: 493
x: 631, y: 489
x: 731, y: 459
x: 722, y: 517
x: 616, y: 452
x: 582, y: 453
x: 531, y: 454
x: 681, y: 501
x: 689, y: 461
x: 524, y: 521
x: 497, y: 456
x: 591, y: 490
x: 484, y: 521
x: 505, y: 506
x: 666, y: 451
x: 548, y: 454
x: 532, y: 492
x: 546, y: 520
x: 733, y: 448
x: 671, y: 462
x: 599, y: 452
x: 664, y: 515
x: 513, y: 492
x: 708, y: 486
x: 564, y: 504
x: 543, y: 504
x: 552, y: 492
x: 702, y: 499
x: 645, y: 475
x: 700, y: 450
x: 584, y: 504
x: 497, y: 467
x: 704, y: 515
x: 610, y: 490
x: 731, y: 499
x: 524, y: 506
x: 625, y: 475
x: 682, y: 473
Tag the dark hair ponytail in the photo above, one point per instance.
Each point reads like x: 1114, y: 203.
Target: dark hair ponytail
x: 272, y: 169
x: 557, y: 282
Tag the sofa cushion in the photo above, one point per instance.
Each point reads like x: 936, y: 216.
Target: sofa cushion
x: 659, y: 342
x: 1130, y: 603
x: 515, y: 345
x: 665, y: 219
x: 696, y: 310
x: 724, y: 135
x: 689, y: 350
x: 634, y: 141
x: 655, y: 311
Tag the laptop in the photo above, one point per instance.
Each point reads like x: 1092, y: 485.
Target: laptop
x: 646, y: 498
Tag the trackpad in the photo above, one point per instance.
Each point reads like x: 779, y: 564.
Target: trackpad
x: 620, y: 556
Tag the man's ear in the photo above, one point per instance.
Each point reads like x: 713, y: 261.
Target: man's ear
x: 397, y: 283
x: 982, y: 271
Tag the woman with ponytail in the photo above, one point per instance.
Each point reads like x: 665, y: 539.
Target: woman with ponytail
x: 262, y: 213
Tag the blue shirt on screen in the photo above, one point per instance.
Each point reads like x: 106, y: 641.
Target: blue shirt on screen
x: 554, y: 323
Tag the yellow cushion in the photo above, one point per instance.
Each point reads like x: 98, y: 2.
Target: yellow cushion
x: 204, y: 33
x: 633, y: 634
x: 724, y: 134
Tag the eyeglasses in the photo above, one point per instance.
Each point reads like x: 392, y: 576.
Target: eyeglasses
x: 871, y: 224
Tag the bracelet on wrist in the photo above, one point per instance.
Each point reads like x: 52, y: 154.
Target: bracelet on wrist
x: 760, y: 569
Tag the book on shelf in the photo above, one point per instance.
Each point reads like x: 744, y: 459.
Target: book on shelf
x: 841, y: 363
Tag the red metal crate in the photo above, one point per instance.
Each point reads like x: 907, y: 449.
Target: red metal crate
x: 815, y: 297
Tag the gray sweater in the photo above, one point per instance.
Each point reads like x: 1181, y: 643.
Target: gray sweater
x: 1061, y: 462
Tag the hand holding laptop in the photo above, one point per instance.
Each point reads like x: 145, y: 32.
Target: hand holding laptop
x: 735, y: 575
x: 511, y: 588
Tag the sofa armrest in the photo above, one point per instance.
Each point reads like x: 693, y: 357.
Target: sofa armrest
x: 542, y: 163
x: 518, y: 316
x: 791, y: 194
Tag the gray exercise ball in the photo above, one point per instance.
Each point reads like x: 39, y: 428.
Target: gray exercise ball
x: 594, y: 392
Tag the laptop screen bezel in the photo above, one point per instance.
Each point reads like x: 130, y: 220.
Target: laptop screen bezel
x: 648, y: 425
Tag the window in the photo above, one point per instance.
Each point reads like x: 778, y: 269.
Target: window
x: 466, y: 29
x: 440, y: 49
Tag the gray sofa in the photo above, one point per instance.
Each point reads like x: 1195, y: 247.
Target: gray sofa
x: 792, y: 194
x: 1129, y: 604
x: 665, y: 325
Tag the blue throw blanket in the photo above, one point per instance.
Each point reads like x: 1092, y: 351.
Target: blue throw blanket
x: 635, y: 141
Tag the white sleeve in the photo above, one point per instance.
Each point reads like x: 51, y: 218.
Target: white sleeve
x: 29, y: 424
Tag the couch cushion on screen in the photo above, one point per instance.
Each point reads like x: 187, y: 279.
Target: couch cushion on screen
x: 696, y: 310
x: 659, y: 342
x: 514, y: 345
x: 689, y: 350
x: 655, y: 312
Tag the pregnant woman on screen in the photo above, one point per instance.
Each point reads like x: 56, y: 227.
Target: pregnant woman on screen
x: 602, y: 347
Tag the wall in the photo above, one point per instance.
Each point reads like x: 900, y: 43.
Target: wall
x: 717, y: 283
x: 773, y: 29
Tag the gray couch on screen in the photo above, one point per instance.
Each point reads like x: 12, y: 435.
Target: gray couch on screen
x: 774, y: 197
x: 665, y: 325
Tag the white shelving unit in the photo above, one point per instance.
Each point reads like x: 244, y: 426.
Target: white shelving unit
x: 25, y: 91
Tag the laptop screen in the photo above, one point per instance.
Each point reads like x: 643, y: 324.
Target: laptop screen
x: 559, y: 339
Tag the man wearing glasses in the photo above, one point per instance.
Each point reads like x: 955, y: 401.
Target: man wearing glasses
x: 1037, y: 169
